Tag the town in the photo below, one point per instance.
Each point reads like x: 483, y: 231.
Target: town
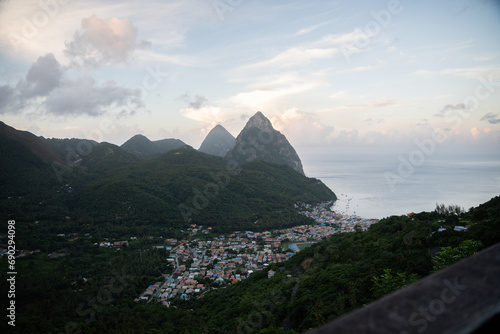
x: 198, y: 265
x: 202, y: 260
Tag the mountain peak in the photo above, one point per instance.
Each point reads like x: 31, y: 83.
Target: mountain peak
x: 260, y: 141
x: 259, y: 121
x: 217, y: 142
x: 143, y: 148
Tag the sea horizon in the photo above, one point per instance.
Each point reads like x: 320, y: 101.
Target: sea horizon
x: 375, y: 188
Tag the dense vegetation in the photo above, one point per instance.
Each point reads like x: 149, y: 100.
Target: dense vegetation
x: 110, y: 188
x: 91, y: 289
x: 187, y: 186
x: 143, y: 148
x: 23, y: 173
x: 347, y: 271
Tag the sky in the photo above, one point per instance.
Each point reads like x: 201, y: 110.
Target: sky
x: 368, y: 75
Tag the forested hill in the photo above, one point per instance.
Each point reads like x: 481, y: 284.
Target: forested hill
x: 111, y: 187
x: 185, y: 185
x: 103, y: 185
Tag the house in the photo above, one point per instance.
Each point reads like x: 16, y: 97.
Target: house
x: 270, y: 273
x: 120, y: 243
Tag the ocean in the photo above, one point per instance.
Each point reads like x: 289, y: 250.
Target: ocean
x: 391, y: 185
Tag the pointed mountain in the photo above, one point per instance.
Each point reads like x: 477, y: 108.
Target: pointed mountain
x: 218, y: 142
x: 260, y: 141
x: 143, y: 148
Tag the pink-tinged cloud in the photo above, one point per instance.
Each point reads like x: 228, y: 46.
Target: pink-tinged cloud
x: 103, y: 41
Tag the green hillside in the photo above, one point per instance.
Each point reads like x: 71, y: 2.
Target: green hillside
x: 70, y: 150
x: 186, y: 186
x: 143, y: 148
x: 22, y: 172
x: 343, y: 273
x: 100, y: 186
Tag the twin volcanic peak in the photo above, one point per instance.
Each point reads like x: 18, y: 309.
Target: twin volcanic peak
x: 260, y: 141
x: 218, y: 142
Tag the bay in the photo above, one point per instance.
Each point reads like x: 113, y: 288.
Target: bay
x: 380, y: 186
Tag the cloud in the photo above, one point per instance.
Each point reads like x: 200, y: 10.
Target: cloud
x: 310, y: 29
x: 264, y: 95
x: 43, y: 76
x: 85, y: 96
x: 372, y: 121
x: 47, y: 89
x: 491, y: 73
x: 379, y: 103
x: 206, y: 114
x: 198, y: 102
x: 7, y: 98
x: 302, y: 128
x: 103, y: 41
x: 292, y: 57
x: 474, y: 132
x: 262, y: 98
x: 423, y: 123
x: 451, y: 108
x: 491, y: 118
x: 380, y: 64
x: 344, y: 39
x: 370, y: 104
x: 195, y: 102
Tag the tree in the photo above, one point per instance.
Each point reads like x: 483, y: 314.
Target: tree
x: 389, y: 282
x: 450, y: 255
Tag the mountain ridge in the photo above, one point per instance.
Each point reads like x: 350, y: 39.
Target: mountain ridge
x: 108, y: 185
x: 185, y: 185
x: 35, y: 144
x: 143, y: 148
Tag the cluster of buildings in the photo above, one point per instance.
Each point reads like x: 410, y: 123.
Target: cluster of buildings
x: 340, y: 223
x: 199, y: 264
